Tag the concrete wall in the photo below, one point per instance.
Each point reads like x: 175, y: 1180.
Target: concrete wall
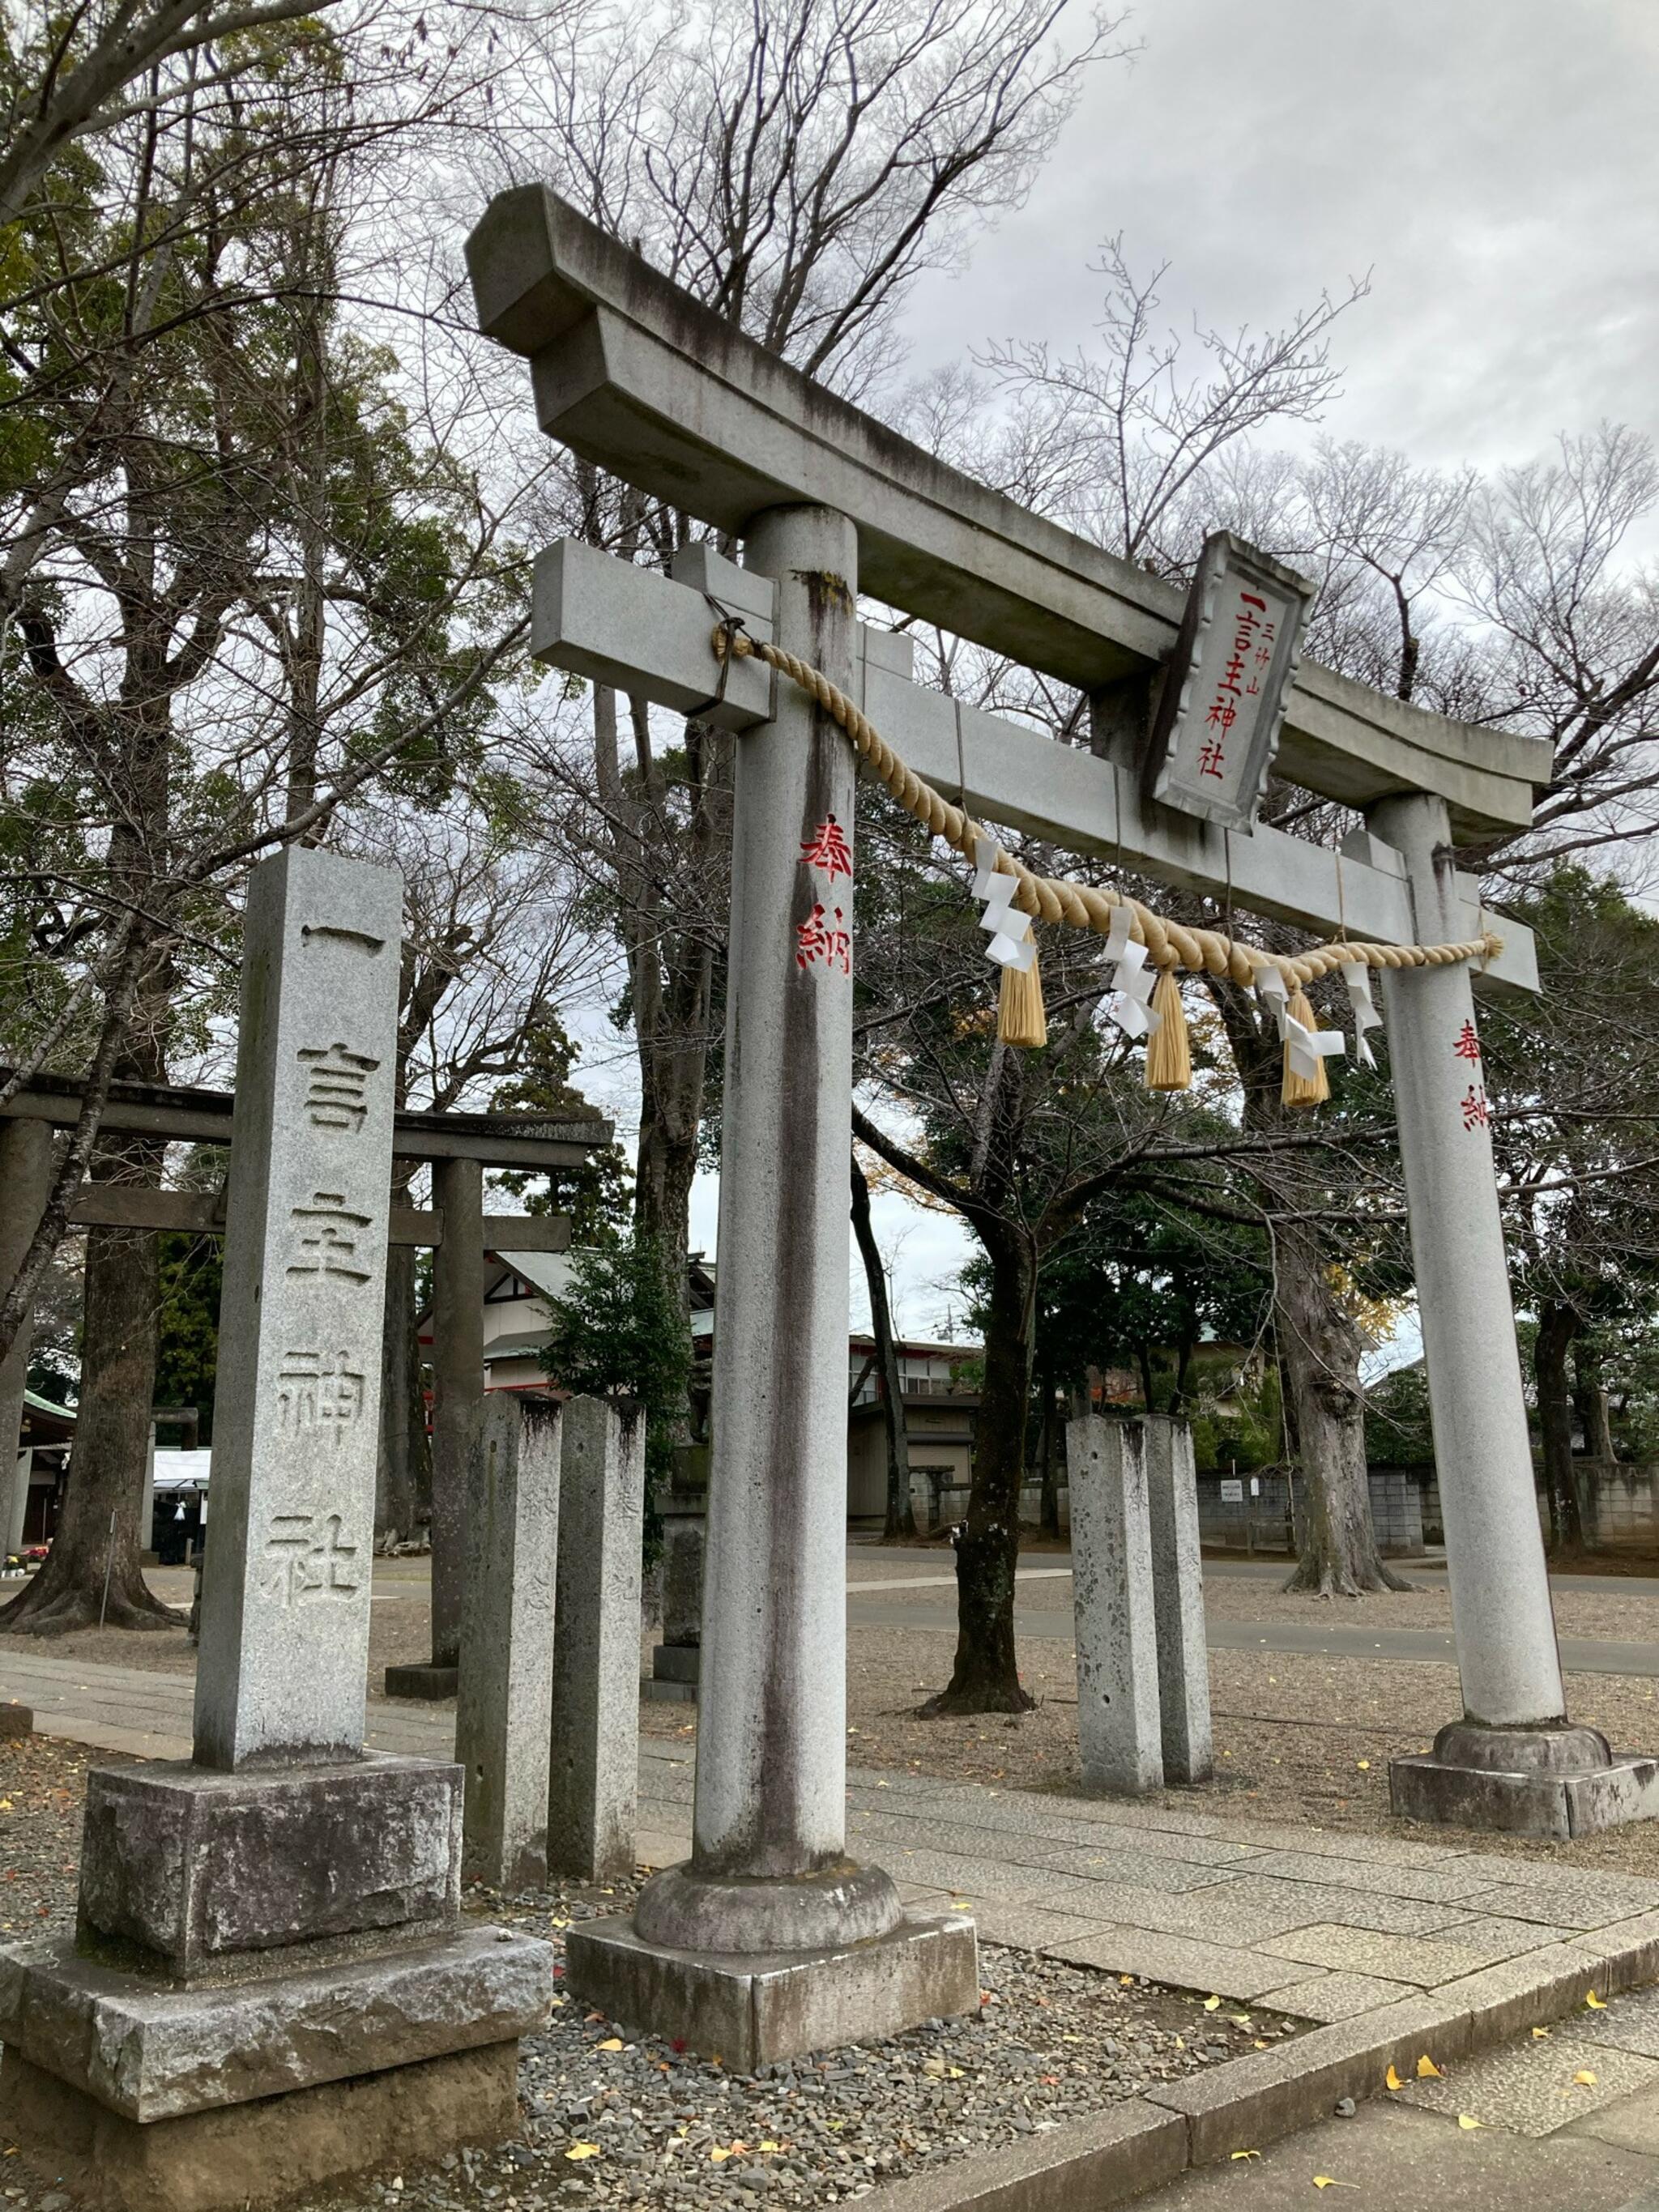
x: 1619, y: 1501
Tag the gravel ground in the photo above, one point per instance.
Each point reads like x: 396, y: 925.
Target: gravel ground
x: 608, y: 2120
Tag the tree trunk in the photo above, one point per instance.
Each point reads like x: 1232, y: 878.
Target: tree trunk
x: 1591, y: 1398
x: 986, y: 1676
x: 98, y: 1531
x: 900, y: 1521
x: 1321, y: 1351
x: 1143, y: 1361
x: 1558, y: 1325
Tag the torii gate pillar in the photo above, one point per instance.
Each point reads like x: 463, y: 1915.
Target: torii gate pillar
x: 1514, y: 1761
x: 770, y: 1942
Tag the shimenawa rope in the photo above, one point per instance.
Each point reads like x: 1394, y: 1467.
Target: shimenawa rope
x: 1170, y: 945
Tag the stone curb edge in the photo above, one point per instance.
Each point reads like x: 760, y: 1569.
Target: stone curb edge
x: 1139, y: 2145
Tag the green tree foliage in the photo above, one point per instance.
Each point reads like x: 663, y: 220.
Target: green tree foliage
x: 187, y: 1336
x: 618, y: 1332
x: 597, y: 1195
x: 1397, y: 1428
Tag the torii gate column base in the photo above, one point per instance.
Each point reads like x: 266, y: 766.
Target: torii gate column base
x: 1514, y: 1761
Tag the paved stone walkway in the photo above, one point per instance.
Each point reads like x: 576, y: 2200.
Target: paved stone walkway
x: 1329, y: 1927
x: 1565, y: 2121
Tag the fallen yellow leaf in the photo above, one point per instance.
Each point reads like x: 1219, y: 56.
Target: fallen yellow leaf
x: 769, y: 2145
x: 1583, y: 2081
x: 1364, y: 1765
x: 1330, y: 2181
x: 1468, y: 2120
x: 1427, y: 2070
x: 1594, y: 2003
x: 716, y: 2154
x: 1212, y: 2004
x: 1392, y: 2079
x: 610, y: 2043
x: 1247, y: 2153
x: 1127, y: 1981
x: 583, y: 2150
x: 1539, y: 2033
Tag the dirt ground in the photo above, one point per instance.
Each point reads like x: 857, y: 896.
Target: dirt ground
x: 1298, y: 1737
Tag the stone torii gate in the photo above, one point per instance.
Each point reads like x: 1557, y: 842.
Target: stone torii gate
x: 634, y: 376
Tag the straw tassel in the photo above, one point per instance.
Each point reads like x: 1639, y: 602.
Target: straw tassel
x: 1169, y: 1055
x: 1020, y: 1016
x: 1302, y: 1090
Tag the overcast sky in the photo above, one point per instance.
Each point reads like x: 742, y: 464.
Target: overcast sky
x: 1494, y: 164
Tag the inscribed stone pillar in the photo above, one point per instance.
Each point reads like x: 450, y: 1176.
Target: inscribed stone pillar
x: 25, y: 1184
x: 1500, y: 1600
x: 1183, y: 1664
x: 594, y: 1776
x: 285, y: 1599
x: 507, y: 1640
x: 458, y: 1388
x: 1119, y: 1734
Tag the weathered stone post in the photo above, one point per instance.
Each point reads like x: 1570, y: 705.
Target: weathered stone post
x: 25, y: 1183
x: 677, y: 1661
x: 1513, y: 1761
x: 1118, y: 1729
x: 458, y: 1388
x: 458, y: 1401
x: 769, y: 1872
x: 593, y: 1777
x: 270, y: 1935
x: 1184, y: 1659
x: 506, y: 1641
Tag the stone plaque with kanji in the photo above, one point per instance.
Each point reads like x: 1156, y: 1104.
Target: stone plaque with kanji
x: 1218, y: 721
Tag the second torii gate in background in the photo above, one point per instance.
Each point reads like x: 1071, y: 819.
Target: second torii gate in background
x: 637, y: 378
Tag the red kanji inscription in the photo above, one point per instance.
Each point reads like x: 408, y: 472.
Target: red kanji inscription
x: 1468, y: 1046
x: 827, y: 849
x: 824, y: 937
x: 1210, y: 759
x: 1477, y: 1114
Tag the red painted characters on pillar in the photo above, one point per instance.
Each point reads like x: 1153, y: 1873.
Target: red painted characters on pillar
x: 827, y: 850
x: 824, y: 940
x: 1474, y: 1106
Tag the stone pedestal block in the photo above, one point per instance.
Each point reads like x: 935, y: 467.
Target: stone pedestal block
x: 247, y: 2154
x: 185, y: 1870
x: 148, y: 2051
x: 1555, y: 1782
x: 422, y: 1679
x: 675, y: 1663
x: 752, y: 2009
